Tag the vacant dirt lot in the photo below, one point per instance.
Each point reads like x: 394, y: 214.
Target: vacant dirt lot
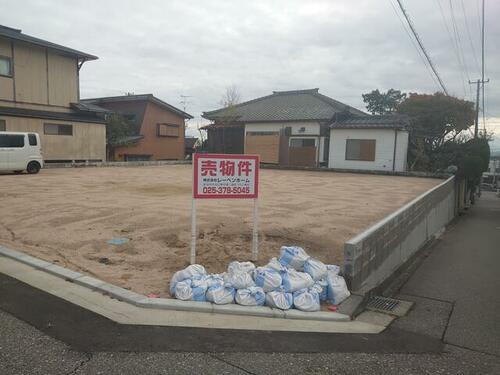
x: 68, y: 215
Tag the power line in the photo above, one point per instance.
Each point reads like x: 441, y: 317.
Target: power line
x: 469, y: 35
x: 423, y: 48
x: 415, y: 45
x: 455, y: 46
x: 459, y: 42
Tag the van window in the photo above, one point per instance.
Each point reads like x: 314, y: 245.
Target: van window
x: 32, y: 139
x: 11, y: 140
x: 3, y: 127
x: 57, y: 129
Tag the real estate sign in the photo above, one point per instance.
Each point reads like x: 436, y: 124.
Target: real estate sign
x: 225, y: 176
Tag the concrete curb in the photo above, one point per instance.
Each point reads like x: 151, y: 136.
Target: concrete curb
x: 127, y: 164
x: 139, y: 300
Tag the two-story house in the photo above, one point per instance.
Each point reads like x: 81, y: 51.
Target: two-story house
x: 39, y: 92
x: 157, y: 128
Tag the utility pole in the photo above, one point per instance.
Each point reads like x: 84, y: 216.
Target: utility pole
x: 482, y: 66
x: 476, y: 122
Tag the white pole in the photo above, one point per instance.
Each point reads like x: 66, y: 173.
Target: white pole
x: 255, y: 237
x: 193, y: 231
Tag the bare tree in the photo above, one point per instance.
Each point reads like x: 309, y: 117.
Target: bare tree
x: 231, y: 97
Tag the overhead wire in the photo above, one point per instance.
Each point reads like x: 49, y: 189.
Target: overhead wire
x: 459, y: 44
x: 415, y: 45
x: 420, y: 43
x: 469, y: 36
x: 455, y: 47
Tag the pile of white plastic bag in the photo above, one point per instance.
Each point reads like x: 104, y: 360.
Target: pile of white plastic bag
x: 294, y: 280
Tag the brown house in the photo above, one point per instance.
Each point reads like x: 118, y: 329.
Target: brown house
x: 157, y: 127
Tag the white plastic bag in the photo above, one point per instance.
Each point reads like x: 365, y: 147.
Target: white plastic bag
x: 239, y: 280
x: 191, y: 289
x: 337, y: 289
x: 293, y: 256
x: 322, y: 288
x: 187, y: 273
x: 183, y: 290
x: 279, y: 299
x: 252, y: 296
x: 267, y: 278
x: 306, y: 299
x: 215, y: 280
x: 276, y: 265
x: 220, y: 294
x: 315, y: 268
x: 241, y: 267
x: 294, y: 280
x: 333, y: 268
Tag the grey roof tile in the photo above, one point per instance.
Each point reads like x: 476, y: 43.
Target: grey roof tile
x: 373, y: 122
x: 285, y: 106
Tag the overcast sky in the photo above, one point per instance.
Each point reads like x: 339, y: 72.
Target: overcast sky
x: 197, y: 48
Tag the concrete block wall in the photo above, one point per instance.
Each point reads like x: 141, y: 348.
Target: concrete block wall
x: 374, y: 255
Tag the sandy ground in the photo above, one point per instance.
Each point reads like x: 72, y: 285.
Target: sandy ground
x: 68, y: 215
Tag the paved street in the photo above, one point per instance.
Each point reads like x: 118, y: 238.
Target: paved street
x: 456, y: 294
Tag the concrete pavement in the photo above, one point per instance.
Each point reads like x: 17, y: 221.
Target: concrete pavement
x: 461, y: 279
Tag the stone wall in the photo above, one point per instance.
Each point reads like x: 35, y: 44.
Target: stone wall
x: 373, y: 256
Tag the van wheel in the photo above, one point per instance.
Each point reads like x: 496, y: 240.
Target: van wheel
x: 18, y: 172
x: 33, y: 167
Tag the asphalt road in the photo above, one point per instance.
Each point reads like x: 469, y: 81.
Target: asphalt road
x: 457, y: 300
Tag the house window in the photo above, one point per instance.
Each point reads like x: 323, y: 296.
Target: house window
x: 57, y: 129
x: 360, y: 149
x: 3, y: 126
x: 302, y: 142
x: 168, y: 130
x: 5, y: 66
x: 11, y: 141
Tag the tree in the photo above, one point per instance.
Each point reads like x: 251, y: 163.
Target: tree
x: 231, y: 97
x: 117, y: 128
x: 436, y: 120
x: 381, y: 103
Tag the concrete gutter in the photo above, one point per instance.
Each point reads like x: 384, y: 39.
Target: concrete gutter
x: 145, y: 304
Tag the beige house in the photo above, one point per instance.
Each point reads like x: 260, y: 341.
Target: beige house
x: 39, y: 92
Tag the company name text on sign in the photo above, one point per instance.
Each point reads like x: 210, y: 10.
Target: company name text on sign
x: 225, y: 176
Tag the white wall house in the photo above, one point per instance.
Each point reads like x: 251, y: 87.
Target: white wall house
x: 371, y: 143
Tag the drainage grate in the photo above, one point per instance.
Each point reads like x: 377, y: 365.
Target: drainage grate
x: 388, y: 305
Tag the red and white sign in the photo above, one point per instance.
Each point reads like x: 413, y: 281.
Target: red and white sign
x: 225, y: 176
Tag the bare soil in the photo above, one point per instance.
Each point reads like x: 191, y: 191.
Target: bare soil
x: 67, y: 216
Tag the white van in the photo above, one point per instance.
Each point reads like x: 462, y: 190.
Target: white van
x: 20, y: 151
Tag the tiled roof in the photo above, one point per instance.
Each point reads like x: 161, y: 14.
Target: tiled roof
x: 285, y: 106
x: 373, y: 122
x: 17, y: 34
x: 141, y: 97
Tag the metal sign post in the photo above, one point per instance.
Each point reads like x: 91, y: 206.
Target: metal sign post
x: 255, y: 236
x: 193, y: 231
x: 222, y: 176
